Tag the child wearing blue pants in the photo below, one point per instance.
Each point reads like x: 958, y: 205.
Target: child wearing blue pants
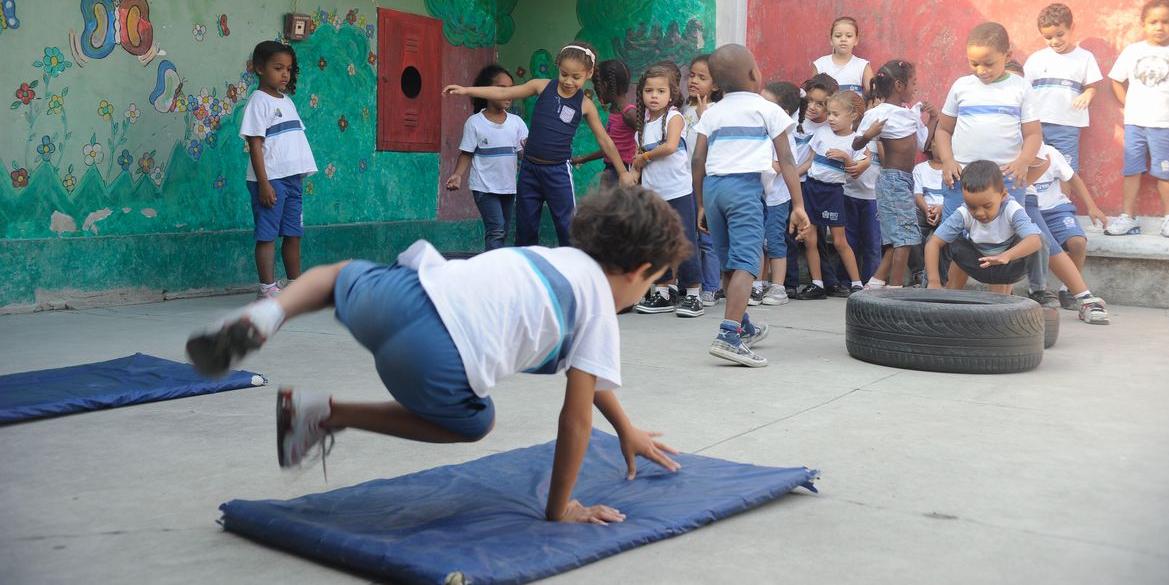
x: 546, y: 171
x: 733, y: 149
x: 443, y: 333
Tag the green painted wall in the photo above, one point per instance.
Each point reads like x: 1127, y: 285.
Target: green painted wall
x: 141, y: 142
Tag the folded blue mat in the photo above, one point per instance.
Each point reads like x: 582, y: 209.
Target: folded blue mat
x: 483, y: 520
x: 119, y: 382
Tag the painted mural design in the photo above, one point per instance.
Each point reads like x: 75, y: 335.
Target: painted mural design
x: 474, y: 23
x: 166, y: 156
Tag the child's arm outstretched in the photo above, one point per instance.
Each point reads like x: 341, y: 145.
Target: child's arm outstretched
x: 594, y: 120
x: 493, y: 92
x: 256, y: 152
x: 1081, y: 190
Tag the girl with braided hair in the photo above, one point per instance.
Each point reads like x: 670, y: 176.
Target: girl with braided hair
x: 612, y: 84
x: 664, y: 166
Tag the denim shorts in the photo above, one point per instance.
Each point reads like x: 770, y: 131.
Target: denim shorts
x: 286, y: 217
x: 775, y: 228
x: 824, y: 202
x: 1061, y: 220
x: 388, y: 312
x: 897, y: 209
x: 1065, y: 139
x: 1146, y: 150
x: 734, y: 215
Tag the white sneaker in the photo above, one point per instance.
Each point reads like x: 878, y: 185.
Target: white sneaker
x: 1165, y: 226
x: 775, y: 295
x: 268, y: 293
x: 1124, y: 225
x: 1094, y: 311
x: 298, y: 425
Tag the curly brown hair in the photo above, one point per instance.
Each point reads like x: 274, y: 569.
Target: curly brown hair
x: 623, y: 228
x: 656, y: 71
x: 1055, y: 15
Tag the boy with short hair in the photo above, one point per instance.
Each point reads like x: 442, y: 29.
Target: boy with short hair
x: 730, y: 154
x: 989, y: 236
x: 1064, y: 77
x: 443, y: 332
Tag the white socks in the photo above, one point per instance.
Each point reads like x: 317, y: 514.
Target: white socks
x: 757, y: 285
x: 857, y: 283
x: 266, y: 315
x: 693, y: 291
x: 663, y: 290
x: 819, y: 283
x: 875, y: 282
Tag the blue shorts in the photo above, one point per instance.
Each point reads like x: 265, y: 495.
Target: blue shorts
x: 734, y: 215
x: 1146, y: 150
x: 897, y: 209
x: 775, y: 229
x: 824, y: 202
x: 1061, y: 221
x: 388, y: 312
x: 286, y: 218
x: 1065, y: 139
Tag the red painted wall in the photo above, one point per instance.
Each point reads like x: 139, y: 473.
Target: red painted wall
x: 786, y: 35
x: 459, y: 65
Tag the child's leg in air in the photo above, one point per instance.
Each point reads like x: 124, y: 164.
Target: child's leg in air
x: 390, y: 418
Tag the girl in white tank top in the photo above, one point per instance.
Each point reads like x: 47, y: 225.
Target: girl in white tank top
x: 850, y: 71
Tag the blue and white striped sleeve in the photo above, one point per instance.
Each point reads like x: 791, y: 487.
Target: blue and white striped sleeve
x: 1022, y: 224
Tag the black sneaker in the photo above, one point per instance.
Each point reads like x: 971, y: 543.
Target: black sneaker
x: 719, y: 295
x: 855, y: 289
x: 674, y: 298
x: 690, y: 306
x: 654, y: 303
x: 1067, y: 301
x: 840, y: 291
x: 811, y: 292
x: 1046, y: 299
x: 791, y: 291
x: 756, y: 297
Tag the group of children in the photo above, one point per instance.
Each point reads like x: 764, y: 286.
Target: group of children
x: 735, y: 177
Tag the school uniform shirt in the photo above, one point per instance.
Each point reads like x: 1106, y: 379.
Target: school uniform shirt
x: 989, y: 118
x: 803, y: 134
x: 286, y: 149
x: 850, y: 76
x: 493, y: 149
x: 899, y: 122
x: 532, y: 310
x: 993, y: 237
x: 668, y: 176
x: 928, y: 181
x: 1047, y: 187
x: 775, y: 191
x: 690, y: 114
x: 828, y: 170
x: 739, y: 130
x: 864, y: 186
x: 1146, y: 69
x: 1058, y: 79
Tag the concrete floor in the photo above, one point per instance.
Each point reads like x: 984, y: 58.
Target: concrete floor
x: 1059, y: 475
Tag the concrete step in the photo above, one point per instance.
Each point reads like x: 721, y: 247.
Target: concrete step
x: 1128, y: 270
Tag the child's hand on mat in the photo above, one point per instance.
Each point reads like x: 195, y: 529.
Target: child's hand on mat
x: 996, y: 260
x: 267, y: 194
x: 951, y: 172
x: 638, y: 442
x: 1096, y: 215
x: 454, y: 90
x: 454, y: 182
x: 603, y: 515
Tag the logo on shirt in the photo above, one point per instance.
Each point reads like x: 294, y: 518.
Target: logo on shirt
x: 567, y: 114
x: 279, y: 114
x: 1152, y: 70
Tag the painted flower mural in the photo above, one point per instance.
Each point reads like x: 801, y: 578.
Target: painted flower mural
x: 146, y: 163
x: 56, y: 104
x: 132, y: 113
x: 92, y: 153
x: 53, y: 63
x: 105, y: 110
x: 25, y: 94
x: 199, y: 32
x: 19, y: 178
x: 46, y: 148
x: 125, y: 160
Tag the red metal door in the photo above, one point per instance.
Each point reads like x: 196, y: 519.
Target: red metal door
x: 409, y: 108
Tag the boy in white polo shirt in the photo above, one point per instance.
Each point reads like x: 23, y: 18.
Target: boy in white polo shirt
x: 732, y: 151
x: 1064, y: 77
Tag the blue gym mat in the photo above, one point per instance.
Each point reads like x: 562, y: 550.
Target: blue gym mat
x: 118, y: 382
x: 483, y: 520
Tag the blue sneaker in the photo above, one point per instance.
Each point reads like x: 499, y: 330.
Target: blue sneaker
x: 753, y: 333
x: 729, y: 346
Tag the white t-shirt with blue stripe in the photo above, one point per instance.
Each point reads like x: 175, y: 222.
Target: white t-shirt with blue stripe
x: 990, y: 118
x: 829, y: 170
x: 739, y: 131
x: 286, y: 149
x: 928, y: 181
x: 993, y: 237
x: 1058, y: 79
x: 493, y: 149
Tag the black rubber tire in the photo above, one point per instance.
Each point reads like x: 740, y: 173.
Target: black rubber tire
x: 1050, y: 327
x: 965, y: 332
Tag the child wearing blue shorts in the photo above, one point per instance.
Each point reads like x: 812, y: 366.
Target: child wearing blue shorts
x: 443, y: 333
x: 733, y: 149
x: 278, y: 158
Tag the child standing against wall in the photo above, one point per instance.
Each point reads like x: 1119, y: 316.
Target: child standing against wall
x: 701, y: 93
x: 1064, y: 77
x: 546, y: 171
x: 492, y: 137
x: 730, y: 154
x: 612, y: 83
x: 1141, y: 83
x: 278, y: 159
x: 813, y: 115
x: 850, y: 71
